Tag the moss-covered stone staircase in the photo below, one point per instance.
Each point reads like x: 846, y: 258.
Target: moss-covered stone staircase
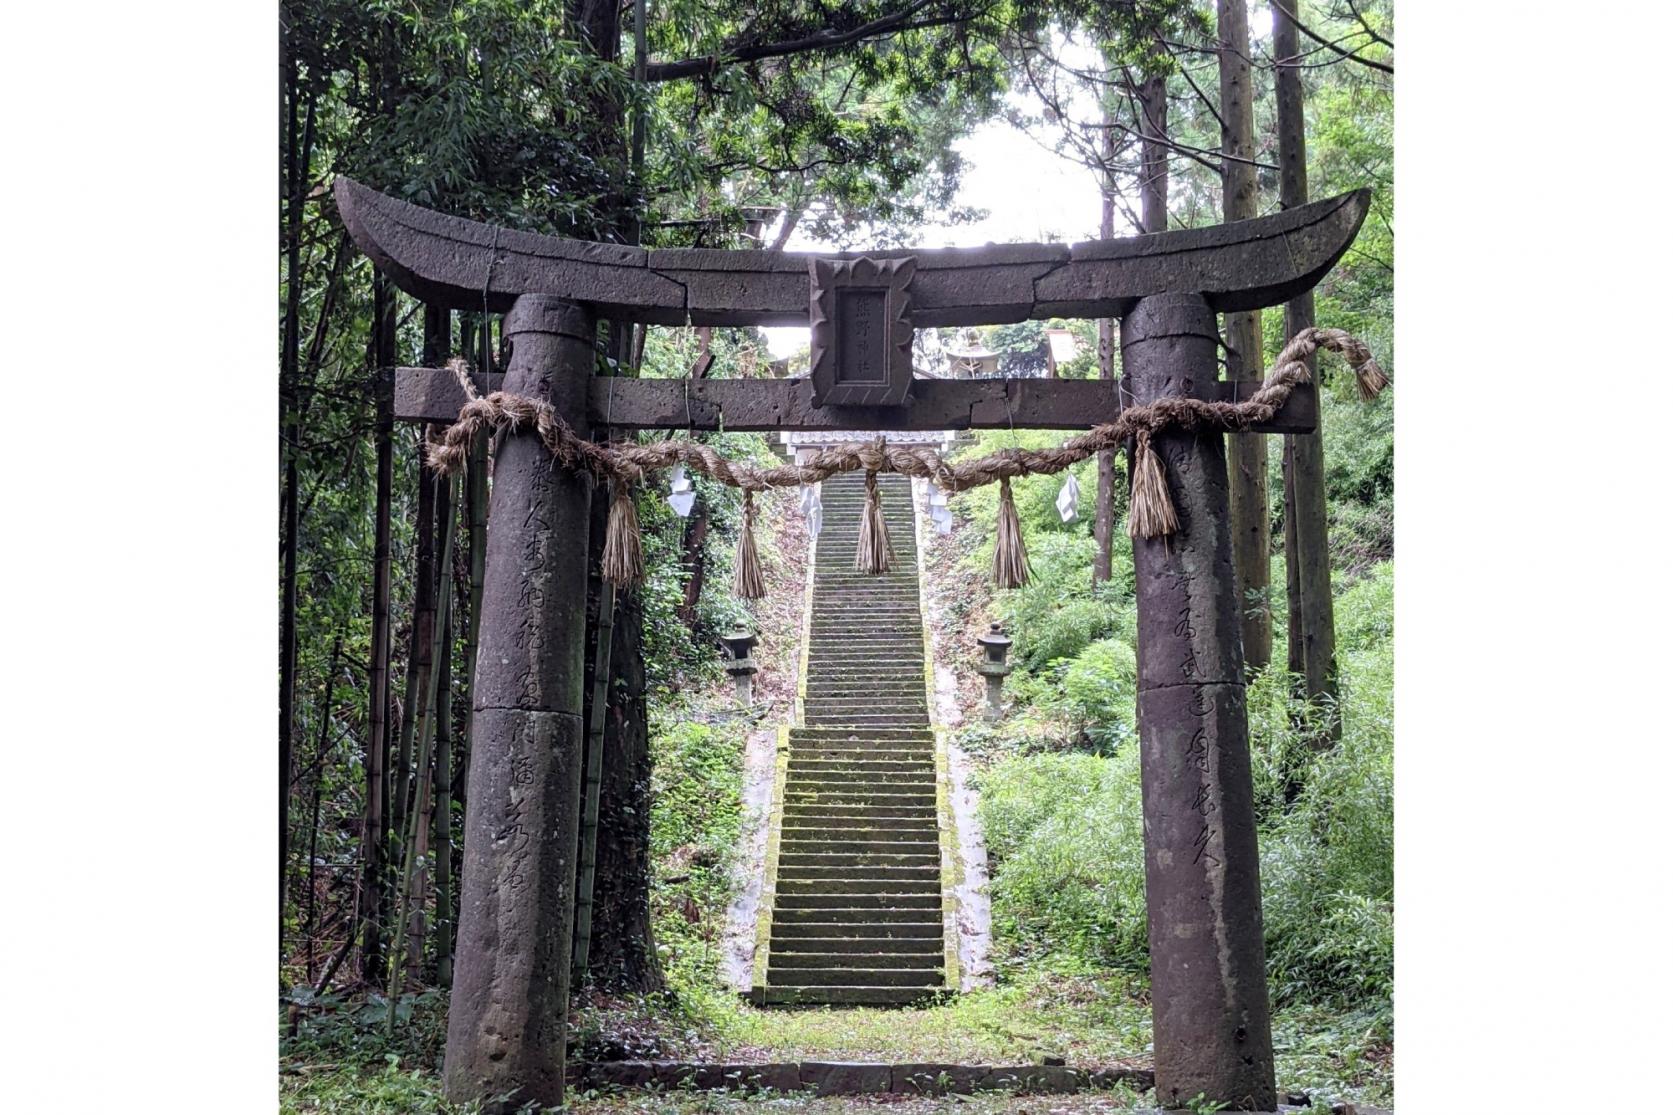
x: 857, y: 915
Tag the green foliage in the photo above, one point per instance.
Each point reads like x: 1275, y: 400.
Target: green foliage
x: 1066, y: 833
x: 334, y: 1027
x: 1066, y: 836
x: 331, y: 1089
x: 696, y: 814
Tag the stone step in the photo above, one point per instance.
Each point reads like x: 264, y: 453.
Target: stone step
x: 906, y: 773
x: 870, y: 721
x: 862, y: 631
x: 873, y: 867
x: 882, y: 587
x: 878, y: 751
x: 847, y: 734
x: 879, y: 935
x: 819, y: 708
x: 813, y: 763
x: 870, y: 648
x: 845, y: 996
x: 838, y: 959
x: 876, y: 687
x: 880, y: 621
x: 851, y: 795
x: 827, y: 583
x: 863, y: 877
x: 847, y: 888
x: 813, y: 815
x: 851, y: 977
x: 900, y: 906
x: 881, y: 749
x: 863, y: 693
x: 860, y: 846
x: 840, y: 781
x: 867, y: 674
x: 818, y: 827
x: 881, y: 643
x: 924, y: 830
x: 856, y: 952
x: 853, y: 660
x: 858, y: 663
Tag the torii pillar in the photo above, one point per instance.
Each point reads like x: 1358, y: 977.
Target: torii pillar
x: 506, y: 1018
x: 1212, y: 1030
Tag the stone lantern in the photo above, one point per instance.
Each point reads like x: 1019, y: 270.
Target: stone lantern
x: 738, y: 642
x: 993, y: 667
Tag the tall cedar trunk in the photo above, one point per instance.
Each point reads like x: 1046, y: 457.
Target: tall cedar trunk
x: 1245, y: 453
x: 623, y: 956
x: 375, y: 820
x: 476, y: 498
x: 1153, y: 157
x: 1312, y: 619
x: 1103, y: 518
x: 695, y: 537
x: 619, y: 919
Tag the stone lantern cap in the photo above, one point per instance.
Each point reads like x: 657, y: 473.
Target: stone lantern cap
x: 995, y: 644
x: 738, y: 642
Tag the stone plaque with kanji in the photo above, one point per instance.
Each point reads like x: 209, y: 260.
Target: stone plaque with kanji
x: 862, y: 339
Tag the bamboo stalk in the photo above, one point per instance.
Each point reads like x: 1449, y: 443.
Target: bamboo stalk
x: 441, y: 794
x: 587, y: 852
x: 319, y: 775
x: 412, y: 840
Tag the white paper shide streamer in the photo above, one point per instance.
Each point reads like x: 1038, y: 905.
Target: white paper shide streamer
x: 812, y: 509
x: 939, y: 513
x: 1068, y: 498
x: 681, y: 491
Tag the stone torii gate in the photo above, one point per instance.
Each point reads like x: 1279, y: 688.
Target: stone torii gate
x: 507, y: 1017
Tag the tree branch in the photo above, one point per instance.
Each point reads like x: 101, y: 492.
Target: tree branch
x: 1289, y: 13
x: 891, y: 24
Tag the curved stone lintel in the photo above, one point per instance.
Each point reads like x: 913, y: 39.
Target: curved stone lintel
x: 468, y: 265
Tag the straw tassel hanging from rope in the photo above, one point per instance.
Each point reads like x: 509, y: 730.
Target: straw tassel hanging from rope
x: 1010, y: 556
x: 873, y: 554
x: 1150, y: 515
x: 747, y: 583
x: 624, y: 556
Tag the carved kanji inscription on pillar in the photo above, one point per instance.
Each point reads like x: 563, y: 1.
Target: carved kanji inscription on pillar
x: 862, y: 338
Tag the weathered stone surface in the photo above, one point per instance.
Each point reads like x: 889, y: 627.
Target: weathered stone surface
x: 434, y: 395
x: 1212, y: 1031
x: 506, y: 1017
x: 457, y: 263
x: 861, y: 343
x: 844, y: 1078
x: 440, y: 259
x: 1243, y: 265
x: 1141, y: 1080
x: 935, y: 1079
